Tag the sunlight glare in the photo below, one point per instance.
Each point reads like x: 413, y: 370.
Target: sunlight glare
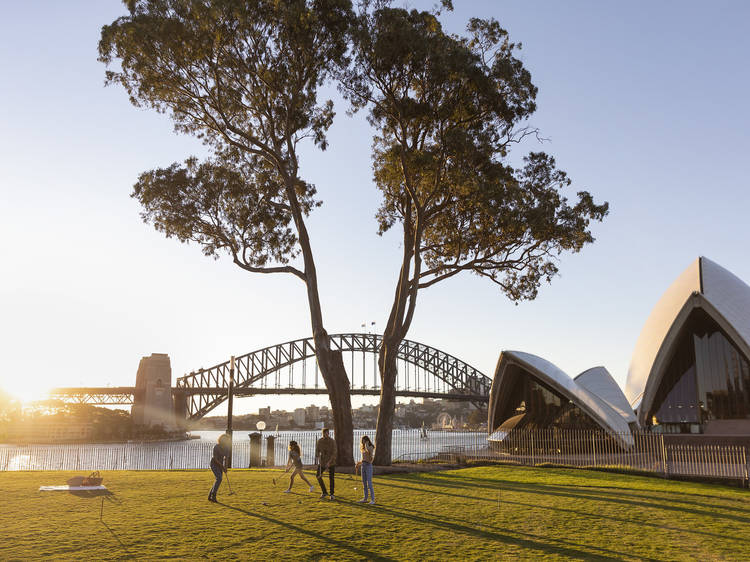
x: 26, y: 392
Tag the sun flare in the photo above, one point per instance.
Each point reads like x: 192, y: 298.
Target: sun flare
x: 25, y: 393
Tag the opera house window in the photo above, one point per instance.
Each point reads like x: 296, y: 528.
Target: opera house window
x: 531, y: 404
x: 707, y: 378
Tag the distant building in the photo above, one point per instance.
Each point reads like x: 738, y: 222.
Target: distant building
x: 312, y: 413
x: 299, y: 416
x: 325, y: 414
x: 264, y: 412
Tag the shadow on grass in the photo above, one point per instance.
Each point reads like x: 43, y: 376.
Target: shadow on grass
x: 606, y: 477
x: 296, y: 528
x: 460, y: 525
x: 515, y: 487
x: 109, y: 498
x: 639, y: 522
x: 566, y: 491
x: 122, y: 544
x: 596, y: 475
x: 534, y: 544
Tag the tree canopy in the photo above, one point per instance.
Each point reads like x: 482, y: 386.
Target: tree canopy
x: 243, y: 77
x: 236, y: 74
x: 225, y: 208
x: 447, y: 110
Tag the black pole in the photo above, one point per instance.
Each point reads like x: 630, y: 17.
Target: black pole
x: 230, y: 399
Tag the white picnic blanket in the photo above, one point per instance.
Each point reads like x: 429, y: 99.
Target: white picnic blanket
x: 70, y: 488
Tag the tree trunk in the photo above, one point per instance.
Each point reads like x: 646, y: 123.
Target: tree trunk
x: 330, y: 362
x: 386, y: 412
x: 332, y: 368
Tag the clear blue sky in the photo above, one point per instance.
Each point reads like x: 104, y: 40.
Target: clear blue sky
x: 644, y: 103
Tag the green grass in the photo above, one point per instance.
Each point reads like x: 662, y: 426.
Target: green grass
x: 489, y: 512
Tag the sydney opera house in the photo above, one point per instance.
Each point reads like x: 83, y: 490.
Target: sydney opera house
x: 689, y: 373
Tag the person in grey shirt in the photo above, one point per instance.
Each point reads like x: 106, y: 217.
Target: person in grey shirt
x: 325, y: 457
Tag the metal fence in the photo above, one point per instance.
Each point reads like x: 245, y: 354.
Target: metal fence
x: 194, y: 454
x: 645, y: 452
x: 119, y: 456
x: 585, y: 449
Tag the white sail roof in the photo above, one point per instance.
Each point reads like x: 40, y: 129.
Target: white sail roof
x: 656, y: 327
x: 599, y: 410
x: 730, y: 296
x: 599, y: 382
x: 704, y: 284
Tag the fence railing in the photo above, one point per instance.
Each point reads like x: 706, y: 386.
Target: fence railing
x: 194, y: 454
x: 122, y: 456
x: 584, y: 448
x: 649, y: 452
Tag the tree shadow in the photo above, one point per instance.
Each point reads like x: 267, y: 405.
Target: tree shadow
x: 460, y: 523
x: 515, y: 488
x: 369, y: 555
x: 609, y: 495
x: 642, y: 523
x: 595, y: 475
x: 527, y: 543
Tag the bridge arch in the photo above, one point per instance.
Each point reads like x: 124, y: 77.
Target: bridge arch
x: 435, y: 373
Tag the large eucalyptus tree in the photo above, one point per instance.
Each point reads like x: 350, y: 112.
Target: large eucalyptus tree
x: 244, y: 78
x: 447, y: 110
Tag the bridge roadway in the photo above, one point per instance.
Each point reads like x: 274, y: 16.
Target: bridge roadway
x: 123, y: 395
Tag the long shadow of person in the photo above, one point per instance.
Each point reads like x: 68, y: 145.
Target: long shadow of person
x: 339, y: 543
x: 106, y: 496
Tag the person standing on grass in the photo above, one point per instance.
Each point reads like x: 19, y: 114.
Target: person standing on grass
x: 368, y: 452
x: 325, y: 457
x: 295, y: 460
x: 219, y: 463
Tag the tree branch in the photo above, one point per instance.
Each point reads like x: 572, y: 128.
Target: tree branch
x: 279, y: 269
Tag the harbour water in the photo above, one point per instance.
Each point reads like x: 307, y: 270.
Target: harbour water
x: 408, y: 445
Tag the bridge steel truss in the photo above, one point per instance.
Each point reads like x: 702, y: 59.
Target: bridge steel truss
x: 105, y: 395
x: 442, y: 375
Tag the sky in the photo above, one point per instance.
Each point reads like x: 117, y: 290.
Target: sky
x: 644, y: 104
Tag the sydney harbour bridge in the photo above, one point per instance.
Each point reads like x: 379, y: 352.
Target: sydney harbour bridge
x: 290, y: 368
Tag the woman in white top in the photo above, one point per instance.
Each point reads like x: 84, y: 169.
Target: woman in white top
x: 368, y: 450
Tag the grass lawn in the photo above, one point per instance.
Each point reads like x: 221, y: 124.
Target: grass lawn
x: 495, y: 512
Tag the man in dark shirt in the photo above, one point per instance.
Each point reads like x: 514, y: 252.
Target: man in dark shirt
x: 325, y: 456
x: 218, y: 463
